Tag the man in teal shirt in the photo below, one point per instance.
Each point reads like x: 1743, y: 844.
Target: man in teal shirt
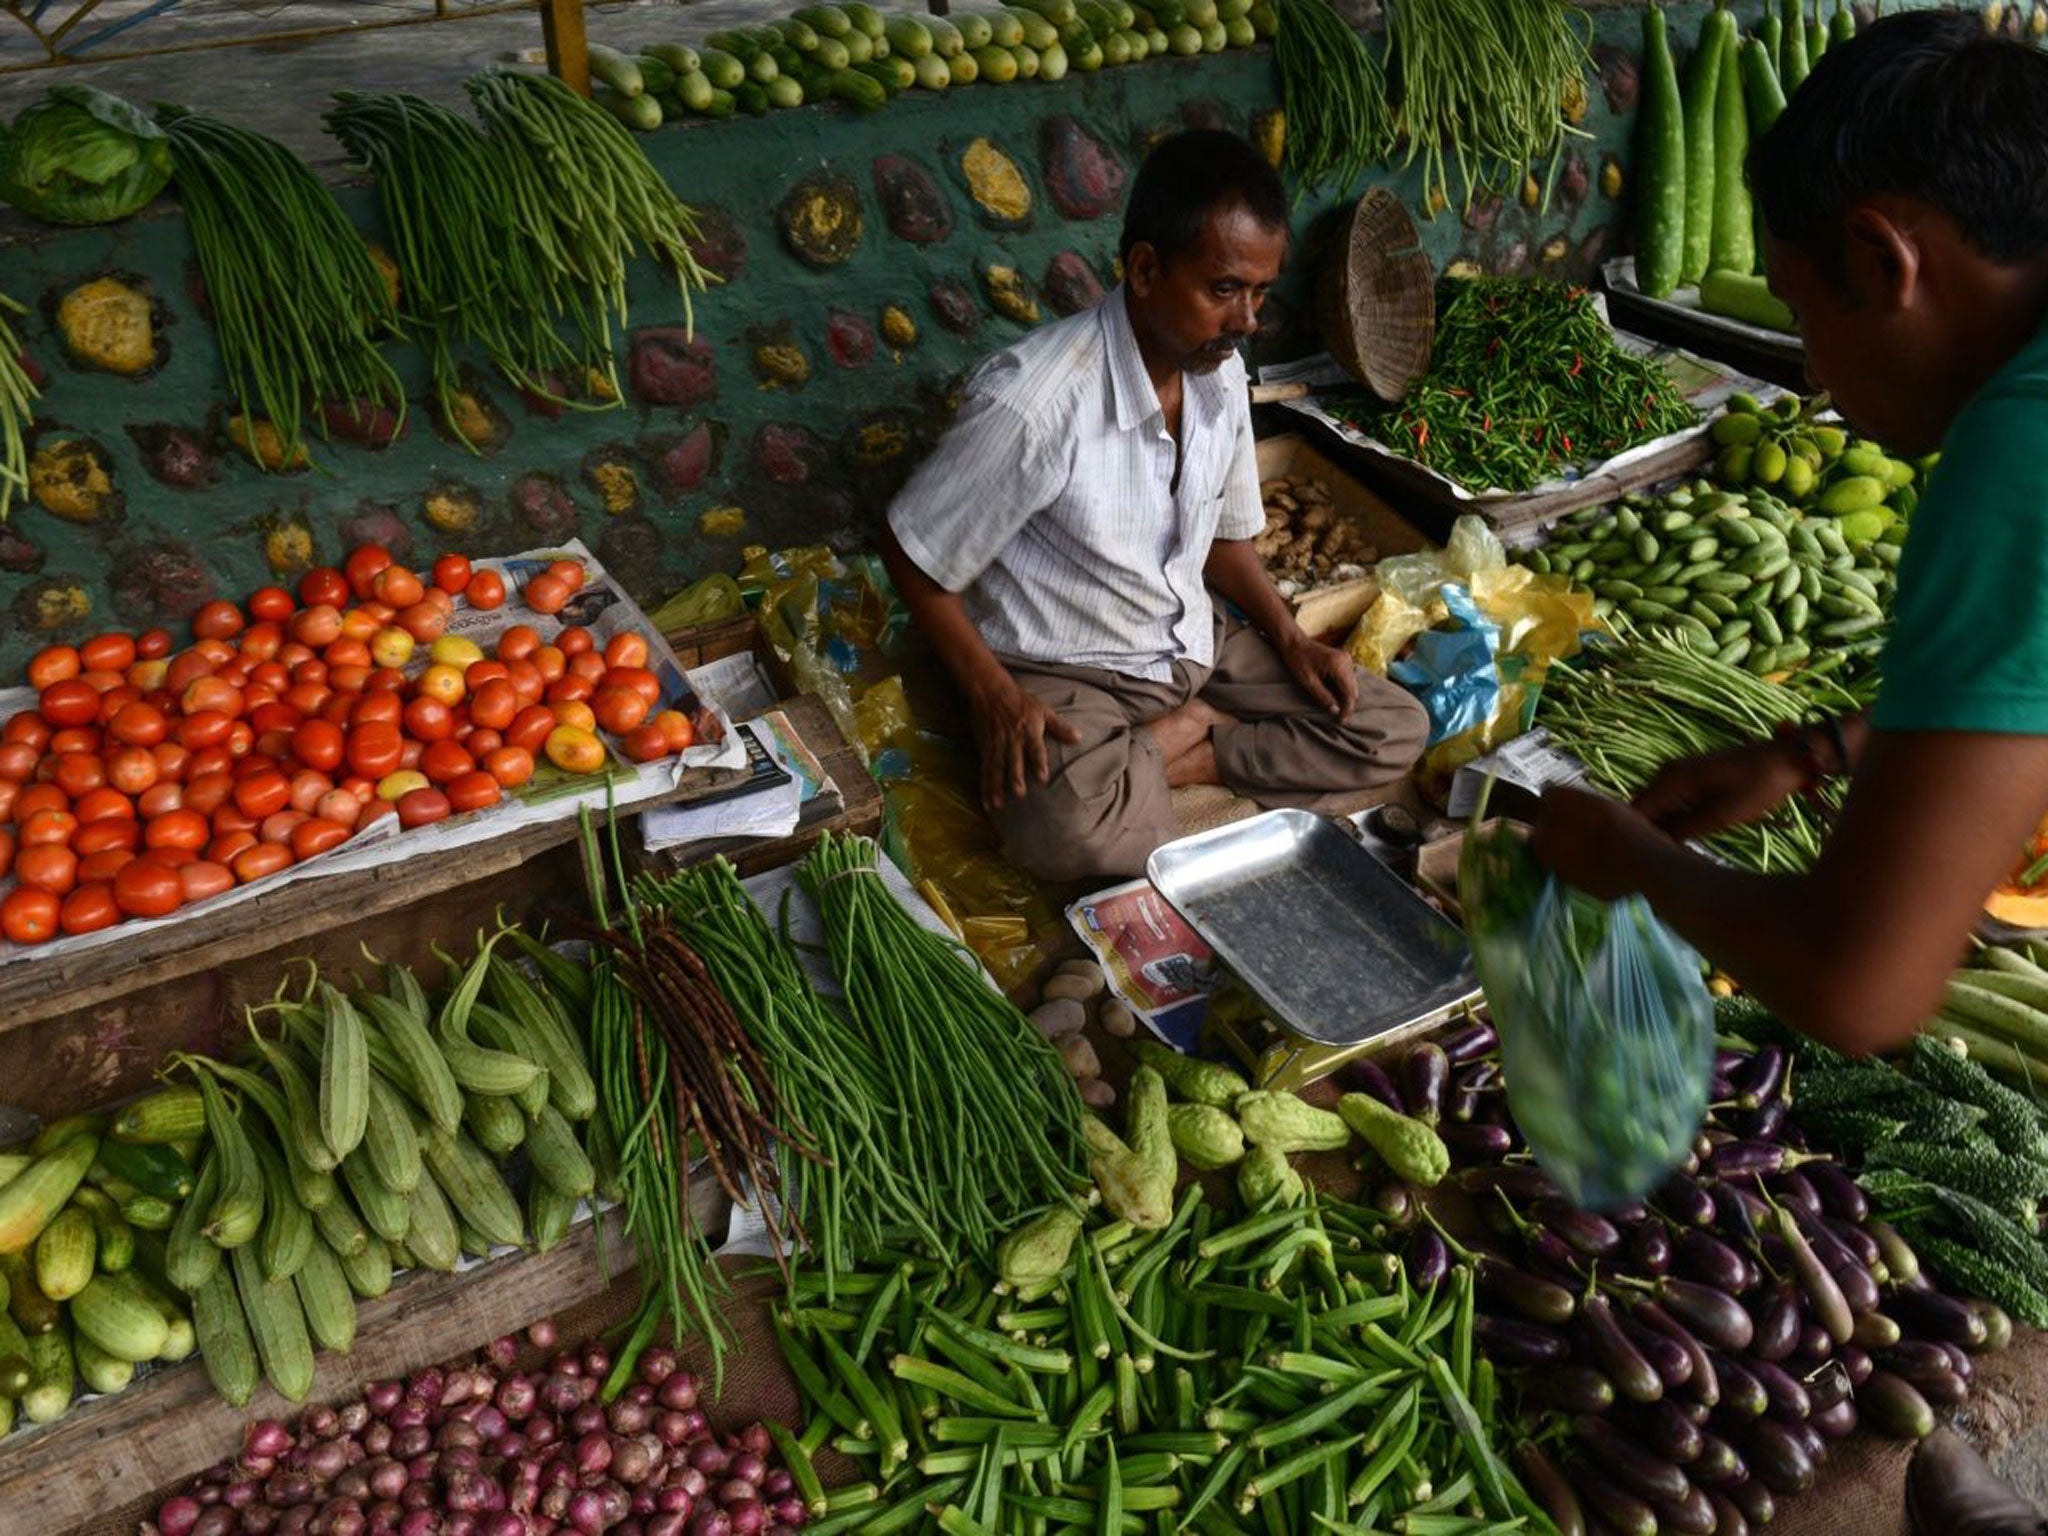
x: 1904, y: 195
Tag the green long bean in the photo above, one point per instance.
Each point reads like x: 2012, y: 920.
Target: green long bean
x: 17, y: 408
x: 1333, y: 89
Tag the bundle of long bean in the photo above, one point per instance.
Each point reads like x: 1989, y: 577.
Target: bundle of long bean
x: 467, y: 272
x: 1628, y: 711
x: 1334, y: 91
x: 17, y: 404
x: 1525, y: 380
x: 297, y: 302
x: 584, y: 195
x: 987, y: 1123
x: 1487, y: 79
x: 830, y: 1083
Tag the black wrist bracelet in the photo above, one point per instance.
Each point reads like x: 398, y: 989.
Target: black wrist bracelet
x: 1832, y: 724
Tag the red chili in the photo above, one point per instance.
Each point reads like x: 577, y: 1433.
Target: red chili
x: 1487, y: 424
x: 1578, y: 362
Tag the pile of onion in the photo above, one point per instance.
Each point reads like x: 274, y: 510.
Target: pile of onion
x: 477, y: 1450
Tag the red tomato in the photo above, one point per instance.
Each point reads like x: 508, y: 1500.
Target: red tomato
x: 145, y: 888
x: 626, y: 649
x: 486, y: 590
x: 316, y: 836
x: 318, y: 744
x: 181, y: 828
x: 570, y: 689
x: 639, y: 679
x: 262, y: 642
x: 548, y: 594
x: 108, y: 832
x: 676, y: 727
x: 429, y: 720
x: 397, y: 587
x: 207, y: 792
x: 222, y: 849
x: 37, y: 798
x: 203, y: 728
x: 575, y: 640
x: 153, y: 644
x: 59, y: 664
x: 587, y: 663
x: 27, y: 728
x: 263, y: 793
x: 452, y: 573
x: 139, y: 725
x: 160, y: 799
x: 374, y: 748
x: 317, y: 625
x: 349, y: 652
x: 18, y: 760
x: 426, y: 622
x: 229, y: 818
x: 203, y: 878
x: 100, y: 868
x: 52, y: 868
x: 271, y: 604
x: 510, y: 766
x: 569, y: 573
x: 340, y: 805
x: 112, y: 652
x: 530, y: 727
x: 78, y: 773
x: 620, y: 710
x: 365, y: 562
x: 29, y: 916
x: 262, y: 859
x: 133, y: 770
x: 70, y: 702
x: 418, y: 807
x: 278, y: 827
x: 472, y: 792
x: 308, y: 788
x: 385, y: 680
x: 346, y: 677
x: 551, y: 662
x: 217, y: 620
x: 323, y: 585
x: 89, y: 908
x: 518, y: 643
x: 645, y: 744
x: 445, y: 761
x: 212, y: 693
x: 380, y: 708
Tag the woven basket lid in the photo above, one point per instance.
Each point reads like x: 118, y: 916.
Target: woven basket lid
x: 1376, y: 297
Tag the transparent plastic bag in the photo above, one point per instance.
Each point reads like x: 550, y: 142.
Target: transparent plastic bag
x: 1606, y: 1025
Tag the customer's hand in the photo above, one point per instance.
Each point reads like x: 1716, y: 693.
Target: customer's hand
x: 1591, y: 842
x: 1011, y: 725
x: 1326, y: 674
x: 1698, y: 796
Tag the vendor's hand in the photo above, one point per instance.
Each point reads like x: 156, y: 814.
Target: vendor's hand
x: 1592, y: 843
x: 1326, y: 674
x: 1698, y: 796
x: 1011, y: 725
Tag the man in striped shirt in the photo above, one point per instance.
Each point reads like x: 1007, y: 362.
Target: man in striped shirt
x: 1060, y: 545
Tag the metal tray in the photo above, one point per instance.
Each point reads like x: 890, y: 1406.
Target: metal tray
x: 1337, y: 945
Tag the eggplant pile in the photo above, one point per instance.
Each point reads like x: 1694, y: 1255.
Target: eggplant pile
x: 1705, y: 1346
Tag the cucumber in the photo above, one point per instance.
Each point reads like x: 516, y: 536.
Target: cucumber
x: 1027, y: 61
x: 948, y: 41
x: 639, y: 113
x: 1761, y: 89
x: 658, y: 77
x: 1052, y: 63
x: 617, y: 71
x: 693, y: 90
x: 1660, y: 165
x: 1732, y: 246
x: 909, y: 37
x: 1183, y: 40
x: 831, y: 54
x: 1215, y: 37
x: 825, y: 20
x: 722, y: 69
x: 679, y: 57
x: 115, y: 1313
x: 721, y: 104
x: 152, y: 1167
x: 865, y: 17
x: 800, y: 35
x: 787, y: 92
x: 1794, y: 64
x: 965, y: 70
x: 997, y: 65
x: 1239, y: 32
x: 897, y: 75
x: 974, y: 29
x: 1005, y: 30
x: 1038, y: 32
x: 860, y: 48
x: 932, y: 73
x: 750, y: 98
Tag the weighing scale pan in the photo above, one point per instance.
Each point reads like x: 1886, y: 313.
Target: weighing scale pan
x: 1337, y: 945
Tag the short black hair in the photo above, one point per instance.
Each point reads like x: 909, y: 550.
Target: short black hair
x: 1923, y: 104
x: 1189, y: 176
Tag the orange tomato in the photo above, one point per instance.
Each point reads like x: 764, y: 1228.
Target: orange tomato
x: 111, y: 652
x: 517, y: 643
x: 418, y: 807
x: 574, y: 712
x: 675, y: 728
x: 217, y: 620
x: 147, y: 675
x: 308, y: 788
x: 510, y: 766
x: 452, y: 573
x: 73, y: 701
x: 645, y: 744
x: 29, y: 916
x: 362, y: 624
x: 262, y: 859
x: 61, y: 663
x: 392, y: 646
x: 203, y: 878
x: 441, y: 600
x: 486, y: 590
x: 626, y: 649
x: 445, y: 761
x: 548, y: 594
x: 398, y: 586
x: 89, y: 908
x: 569, y: 573
x: 375, y: 748
x: 52, y: 868
x: 317, y: 625
x: 620, y: 710
x: 348, y: 652
x: 574, y: 749
x: 443, y: 683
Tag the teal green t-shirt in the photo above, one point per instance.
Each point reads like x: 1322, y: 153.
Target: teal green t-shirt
x: 1968, y: 649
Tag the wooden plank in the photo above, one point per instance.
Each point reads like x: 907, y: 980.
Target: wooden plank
x: 561, y: 28
x: 138, y: 1444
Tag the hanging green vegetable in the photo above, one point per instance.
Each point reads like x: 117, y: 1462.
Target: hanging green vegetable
x: 1702, y: 88
x: 1334, y: 91
x: 17, y: 403
x: 81, y: 156
x: 297, y: 302
x: 1660, y: 166
x: 1734, y: 234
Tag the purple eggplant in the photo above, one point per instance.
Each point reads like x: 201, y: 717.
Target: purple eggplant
x: 1765, y: 1079
x: 1476, y: 1143
x: 1733, y: 1213
x: 1518, y: 1181
x: 1538, y: 1300
x: 1649, y: 1249
x: 1591, y: 1234
x: 1809, y: 1439
x: 1641, y: 1472
x: 1728, y: 1519
x: 1705, y: 1384
x: 1857, y: 1241
x: 1513, y: 1342
x: 1470, y: 1043
x: 1754, y: 1500
x: 1959, y: 1359
x: 1700, y: 1413
x: 1768, y: 1123
x: 1719, y: 1464
x: 1697, y: 1255
x: 1463, y: 1108
x: 1551, y: 1489
x: 1826, y: 1385
x: 1856, y: 1361
x: 1692, y: 1515
x: 1931, y: 1315
x: 1823, y: 1293
x: 1850, y: 1274
x: 1616, y: 1508
x: 1834, y: 1422
x: 1742, y: 1395
x: 1554, y: 1253
x: 1685, y: 1201
x: 1788, y: 1398
x: 1777, y: 1456
x: 1732, y: 1064
x: 1425, y: 1072
x: 1740, y: 1159
x: 1776, y: 1315
x: 1795, y: 1192
x: 1840, y: 1196
x: 1815, y: 1344
x: 1369, y: 1077
x: 1397, y: 1205
x: 1429, y: 1258
x: 1931, y: 1375
x: 1479, y: 1076
x: 1666, y: 1428
x: 1714, y: 1315
x: 1570, y: 1389
x: 1667, y: 1357
x: 1894, y: 1407
x: 1874, y: 1330
x: 1611, y: 1350
x: 1997, y: 1325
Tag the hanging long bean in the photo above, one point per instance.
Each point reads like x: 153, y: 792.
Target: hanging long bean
x: 987, y: 1124
x: 1334, y: 91
x: 17, y: 407
x: 1526, y: 380
x: 467, y: 273
x: 297, y: 302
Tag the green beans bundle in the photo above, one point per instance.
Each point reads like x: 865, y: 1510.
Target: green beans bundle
x: 468, y: 274
x: 1334, y: 90
x: 17, y: 406
x: 1489, y: 80
x: 1526, y: 380
x: 986, y: 1122
x: 585, y: 196
x: 855, y: 1200
x: 1627, y: 711
x: 297, y: 301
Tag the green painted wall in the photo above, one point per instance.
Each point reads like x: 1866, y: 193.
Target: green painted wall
x: 804, y: 463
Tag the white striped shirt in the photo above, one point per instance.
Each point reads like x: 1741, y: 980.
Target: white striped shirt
x: 1049, y: 502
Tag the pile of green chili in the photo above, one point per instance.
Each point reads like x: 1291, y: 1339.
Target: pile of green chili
x: 1334, y: 91
x: 1526, y: 381
x: 468, y: 274
x: 1486, y: 82
x: 297, y: 302
x: 584, y: 197
x: 17, y: 409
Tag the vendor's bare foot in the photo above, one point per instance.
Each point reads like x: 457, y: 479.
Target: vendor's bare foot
x: 1950, y: 1491
x: 1179, y: 731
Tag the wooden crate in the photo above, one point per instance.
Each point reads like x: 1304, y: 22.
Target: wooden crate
x: 1334, y: 609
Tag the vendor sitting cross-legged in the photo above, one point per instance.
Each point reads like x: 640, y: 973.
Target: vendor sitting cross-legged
x: 1060, y: 545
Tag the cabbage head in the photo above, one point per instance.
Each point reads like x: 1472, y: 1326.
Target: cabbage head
x: 81, y: 156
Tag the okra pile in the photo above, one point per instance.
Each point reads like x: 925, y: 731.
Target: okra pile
x: 1274, y: 1372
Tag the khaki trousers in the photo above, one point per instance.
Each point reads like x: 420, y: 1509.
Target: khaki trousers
x: 1108, y: 805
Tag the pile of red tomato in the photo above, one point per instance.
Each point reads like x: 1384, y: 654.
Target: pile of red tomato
x: 144, y: 780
